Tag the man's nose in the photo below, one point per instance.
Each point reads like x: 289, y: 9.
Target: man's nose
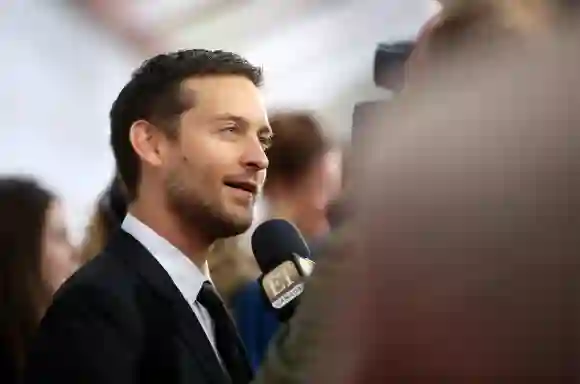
x: 255, y: 155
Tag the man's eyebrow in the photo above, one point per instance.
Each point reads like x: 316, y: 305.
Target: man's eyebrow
x: 241, y: 121
x: 229, y: 116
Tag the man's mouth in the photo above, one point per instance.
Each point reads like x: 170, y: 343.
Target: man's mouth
x: 246, y: 186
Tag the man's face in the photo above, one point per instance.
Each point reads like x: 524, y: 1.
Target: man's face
x: 217, y: 164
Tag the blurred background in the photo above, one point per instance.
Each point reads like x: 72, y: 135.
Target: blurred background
x: 64, y: 63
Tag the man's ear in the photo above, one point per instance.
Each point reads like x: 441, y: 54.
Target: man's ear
x: 146, y: 140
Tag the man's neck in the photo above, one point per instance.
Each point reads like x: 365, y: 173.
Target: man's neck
x: 168, y: 226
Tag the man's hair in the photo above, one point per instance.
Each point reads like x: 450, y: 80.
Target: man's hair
x: 298, y: 143
x: 154, y: 94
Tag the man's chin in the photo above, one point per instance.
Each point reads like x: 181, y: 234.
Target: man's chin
x: 216, y: 224
x: 236, y: 223
x: 241, y: 225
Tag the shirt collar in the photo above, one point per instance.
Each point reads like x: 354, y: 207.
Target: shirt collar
x: 185, y: 274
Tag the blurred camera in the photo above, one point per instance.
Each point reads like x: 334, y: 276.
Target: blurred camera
x: 389, y: 68
x: 389, y: 74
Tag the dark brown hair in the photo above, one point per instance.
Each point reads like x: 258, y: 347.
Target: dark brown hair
x: 153, y: 94
x: 298, y: 142
x: 24, y: 295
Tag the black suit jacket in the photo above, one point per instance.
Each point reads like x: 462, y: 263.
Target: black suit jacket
x: 120, y: 319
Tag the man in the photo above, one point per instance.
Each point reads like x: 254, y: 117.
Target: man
x: 189, y: 133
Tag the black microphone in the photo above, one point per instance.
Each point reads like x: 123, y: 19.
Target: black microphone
x: 282, y: 255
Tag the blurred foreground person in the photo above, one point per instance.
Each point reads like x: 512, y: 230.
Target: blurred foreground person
x: 35, y: 258
x: 466, y: 231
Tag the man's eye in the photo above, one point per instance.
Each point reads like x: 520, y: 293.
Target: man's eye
x: 230, y: 128
x: 266, y: 142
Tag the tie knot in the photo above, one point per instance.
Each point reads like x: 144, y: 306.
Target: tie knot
x: 208, y: 296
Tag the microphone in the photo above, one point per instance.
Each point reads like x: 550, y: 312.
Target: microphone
x: 282, y: 255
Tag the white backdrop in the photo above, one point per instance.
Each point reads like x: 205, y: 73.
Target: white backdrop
x: 59, y: 74
x: 58, y: 77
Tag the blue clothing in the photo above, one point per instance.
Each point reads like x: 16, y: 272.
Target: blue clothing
x: 256, y: 322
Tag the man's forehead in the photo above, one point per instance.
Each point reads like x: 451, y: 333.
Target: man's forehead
x: 214, y: 87
x: 225, y: 94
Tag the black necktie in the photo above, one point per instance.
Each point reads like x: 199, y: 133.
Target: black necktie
x: 228, y: 342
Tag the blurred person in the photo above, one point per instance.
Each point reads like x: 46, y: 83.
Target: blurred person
x: 35, y: 258
x: 189, y: 133
x: 468, y: 246
x: 109, y: 213
x: 304, y: 173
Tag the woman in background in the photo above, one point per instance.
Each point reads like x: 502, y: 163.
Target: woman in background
x: 36, y: 257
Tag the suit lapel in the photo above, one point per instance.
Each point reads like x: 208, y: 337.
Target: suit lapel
x: 187, y: 324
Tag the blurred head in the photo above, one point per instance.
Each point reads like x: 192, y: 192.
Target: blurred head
x: 483, y: 24
x: 190, y: 130
x: 467, y: 222
x: 304, y: 172
x: 458, y: 26
x: 35, y: 256
x: 107, y: 218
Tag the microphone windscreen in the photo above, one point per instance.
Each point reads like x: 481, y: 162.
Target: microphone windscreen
x: 276, y: 241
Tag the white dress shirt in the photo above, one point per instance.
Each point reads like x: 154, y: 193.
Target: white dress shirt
x: 186, y: 276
